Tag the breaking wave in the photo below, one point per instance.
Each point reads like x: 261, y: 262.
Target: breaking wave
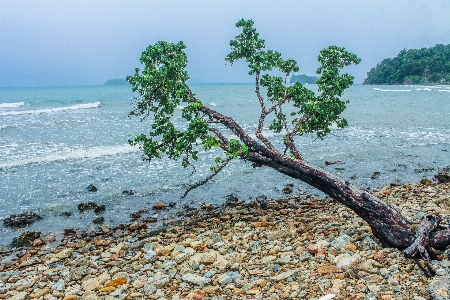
x: 70, y: 154
x: 12, y: 105
x: 50, y: 110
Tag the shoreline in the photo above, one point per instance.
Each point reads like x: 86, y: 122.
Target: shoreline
x: 290, y: 248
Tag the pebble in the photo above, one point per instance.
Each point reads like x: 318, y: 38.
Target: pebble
x: 280, y: 251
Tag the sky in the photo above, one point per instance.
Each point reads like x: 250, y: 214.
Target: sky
x: 70, y: 43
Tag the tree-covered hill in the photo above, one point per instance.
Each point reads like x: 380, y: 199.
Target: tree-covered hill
x: 303, y: 79
x: 117, y: 82
x: 414, y: 66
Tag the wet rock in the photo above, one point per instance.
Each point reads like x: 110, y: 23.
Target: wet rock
x: 64, y: 214
x: 98, y: 220
x: 375, y: 175
x: 442, y: 177
x: 231, y: 198
x: 138, y: 214
x: 156, y: 231
x: 91, y: 188
x: 99, y: 209
x: 85, y: 206
x: 159, y: 206
x: 287, y: 190
x: 25, y: 239
x: 262, y: 200
x: 426, y: 181
x: 396, y: 182
x: 21, y: 220
x: 70, y: 232
x: 333, y: 162
x: 129, y: 192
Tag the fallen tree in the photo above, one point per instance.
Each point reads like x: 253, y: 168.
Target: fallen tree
x: 161, y: 87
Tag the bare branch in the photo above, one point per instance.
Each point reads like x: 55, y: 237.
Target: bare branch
x: 259, y: 134
x: 279, y: 103
x: 202, y: 182
x: 223, y: 140
x: 289, y: 139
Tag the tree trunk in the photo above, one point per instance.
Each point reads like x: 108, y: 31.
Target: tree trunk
x: 387, y: 224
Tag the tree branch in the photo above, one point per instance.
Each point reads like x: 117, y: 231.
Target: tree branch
x: 259, y: 134
x: 202, y: 182
x: 223, y: 140
x: 290, y: 144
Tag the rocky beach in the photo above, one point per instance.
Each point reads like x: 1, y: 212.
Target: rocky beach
x: 298, y: 247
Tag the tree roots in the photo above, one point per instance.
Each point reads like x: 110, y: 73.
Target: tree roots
x: 421, y: 247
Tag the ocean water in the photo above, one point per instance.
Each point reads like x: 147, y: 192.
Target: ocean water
x: 55, y: 141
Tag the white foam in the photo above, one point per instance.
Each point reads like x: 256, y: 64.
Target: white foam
x: 6, y: 126
x: 443, y: 90
x: 51, y: 110
x: 392, y: 90
x: 70, y: 154
x: 11, y: 105
x: 212, y: 104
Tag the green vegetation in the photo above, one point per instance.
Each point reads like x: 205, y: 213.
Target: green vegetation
x: 161, y: 87
x: 303, y: 79
x: 415, y: 66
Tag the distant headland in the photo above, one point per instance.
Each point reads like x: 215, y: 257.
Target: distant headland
x: 303, y: 79
x: 414, y: 66
x: 117, y: 82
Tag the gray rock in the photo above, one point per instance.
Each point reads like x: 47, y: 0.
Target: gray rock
x: 341, y: 241
x: 169, y: 264
x: 23, y: 284
x: 60, y: 285
x: 159, y: 281
x: 370, y: 297
x: 285, y: 259
x: 397, y: 289
x: 195, y: 279
x: 19, y: 296
x: 283, y: 276
x: 419, y: 215
x: 345, y: 261
x: 4, y: 287
x: 209, y: 274
x: 224, y: 279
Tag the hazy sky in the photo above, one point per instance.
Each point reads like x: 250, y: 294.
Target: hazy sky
x: 53, y: 43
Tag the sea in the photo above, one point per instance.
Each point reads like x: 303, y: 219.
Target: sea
x: 56, y: 141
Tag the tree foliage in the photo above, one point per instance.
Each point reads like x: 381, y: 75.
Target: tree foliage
x: 161, y: 87
x: 414, y: 66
